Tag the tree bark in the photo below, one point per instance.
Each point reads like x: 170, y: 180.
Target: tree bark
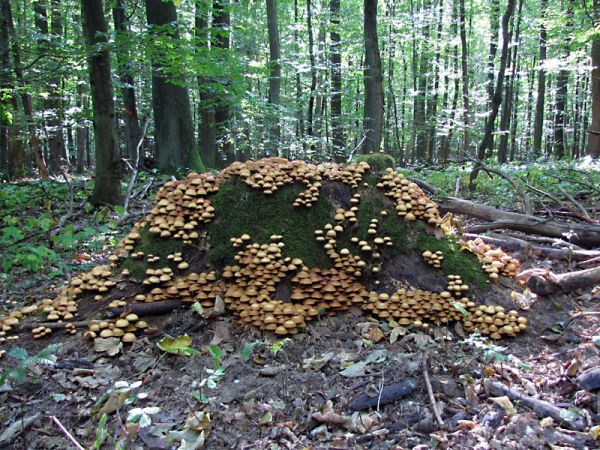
x: 313, y: 72
x: 107, y: 188
x: 465, y: 79
x: 538, y: 126
x: 133, y: 131
x: 594, y: 131
x: 336, y: 83
x: 207, y: 128
x: 373, y: 80
x: 6, y: 88
x: 422, y: 144
x: 174, y: 129
x: 221, y: 40
x: 274, y: 76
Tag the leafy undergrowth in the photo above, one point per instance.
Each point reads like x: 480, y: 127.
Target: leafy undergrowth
x: 579, y: 178
x: 228, y: 386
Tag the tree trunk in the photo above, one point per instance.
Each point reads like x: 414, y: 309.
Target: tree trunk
x: 336, y: 83
x: 133, y: 131
x: 207, y: 128
x: 465, y: 79
x: 493, y: 48
x: 594, y: 131
x: 299, y: 108
x: 507, y: 106
x: 576, y: 118
x: 107, y: 189
x: 274, y: 76
x: 313, y: 72
x: 174, y: 129
x: 6, y: 108
x: 220, y: 40
x: 421, y: 149
x: 538, y: 127
x: 373, y: 80
x: 487, y: 142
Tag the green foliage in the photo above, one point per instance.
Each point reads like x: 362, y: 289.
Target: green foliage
x: 243, y: 210
x: 19, y: 373
x: 180, y: 345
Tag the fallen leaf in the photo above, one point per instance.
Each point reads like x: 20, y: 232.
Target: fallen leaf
x: 317, y: 362
x: 375, y: 334
x: 221, y: 333
x: 396, y: 333
x: 111, y: 345
x: 266, y: 419
x: 506, y: 404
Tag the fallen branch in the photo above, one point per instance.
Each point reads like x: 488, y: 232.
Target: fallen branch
x: 578, y: 205
x: 388, y: 394
x: 146, y: 309
x: 584, y: 234
x: 546, y: 284
x: 434, y: 407
x: 525, y: 248
x: 541, y: 408
x: 17, y: 427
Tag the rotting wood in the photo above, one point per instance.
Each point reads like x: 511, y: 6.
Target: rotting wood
x: 541, y: 408
x: 388, y: 394
x: 526, y: 248
x: 586, y: 234
x: 542, y: 283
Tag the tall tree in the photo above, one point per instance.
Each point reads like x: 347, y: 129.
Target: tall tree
x: 174, y: 129
x: 561, y: 90
x: 373, y: 80
x: 274, y: 76
x: 313, y: 71
x: 336, y: 82
x: 54, y: 103
x: 538, y: 126
x: 465, y: 78
x: 594, y: 131
x: 107, y: 188
x: 486, y: 141
x: 221, y: 40
x: 6, y: 116
x: 133, y: 131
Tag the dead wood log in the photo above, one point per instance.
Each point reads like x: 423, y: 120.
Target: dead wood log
x: 387, y: 395
x: 541, y: 408
x: 512, y: 244
x: 586, y: 234
x: 546, y: 283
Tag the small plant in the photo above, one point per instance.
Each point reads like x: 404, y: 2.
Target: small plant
x: 45, y: 356
x: 276, y: 347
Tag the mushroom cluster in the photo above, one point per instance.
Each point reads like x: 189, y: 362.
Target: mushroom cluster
x: 40, y: 332
x: 124, y: 328
x: 434, y: 259
x: 415, y: 306
x: 191, y: 287
x: 411, y: 201
x: 495, y: 322
x: 493, y: 260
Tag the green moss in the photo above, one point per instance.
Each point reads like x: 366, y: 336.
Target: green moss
x: 378, y: 161
x: 151, y: 244
x: 243, y: 210
x: 456, y: 261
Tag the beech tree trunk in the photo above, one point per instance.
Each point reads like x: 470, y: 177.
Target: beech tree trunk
x: 373, y: 80
x: 538, y: 126
x: 313, y: 72
x: 594, y: 131
x: 220, y: 40
x: 336, y: 83
x: 5, y: 107
x: 133, y: 131
x: 274, y: 75
x: 207, y: 128
x: 174, y: 129
x: 107, y: 188
x: 465, y: 79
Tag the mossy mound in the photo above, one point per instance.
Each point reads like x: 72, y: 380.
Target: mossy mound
x: 282, y: 242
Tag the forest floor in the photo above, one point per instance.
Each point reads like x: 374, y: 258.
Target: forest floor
x: 240, y: 389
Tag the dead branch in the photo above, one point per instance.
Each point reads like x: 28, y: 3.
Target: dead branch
x: 525, y: 248
x: 578, y: 205
x: 17, y: 427
x: 434, y: 407
x: 540, y: 407
x: 550, y: 283
x: 134, y: 173
x: 586, y: 234
x: 64, y: 431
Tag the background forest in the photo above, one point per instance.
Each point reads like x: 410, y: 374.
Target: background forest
x: 440, y: 80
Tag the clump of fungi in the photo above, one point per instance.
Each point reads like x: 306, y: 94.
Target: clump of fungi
x: 493, y: 260
x: 249, y: 286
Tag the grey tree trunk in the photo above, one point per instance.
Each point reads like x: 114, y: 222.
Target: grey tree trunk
x: 133, y: 131
x: 274, y: 75
x: 107, y: 188
x: 465, y: 79
x: 174, y: 130
x: 336, y: 83
x: 594, y: 131
x: 220, y: 40
x: 373, y: 80
x: 538, y: 125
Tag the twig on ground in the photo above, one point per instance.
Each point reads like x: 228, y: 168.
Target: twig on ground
x: 66, y: 433
x: 578, y: 316
x: 436, y: 412
x: 17, y: 427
